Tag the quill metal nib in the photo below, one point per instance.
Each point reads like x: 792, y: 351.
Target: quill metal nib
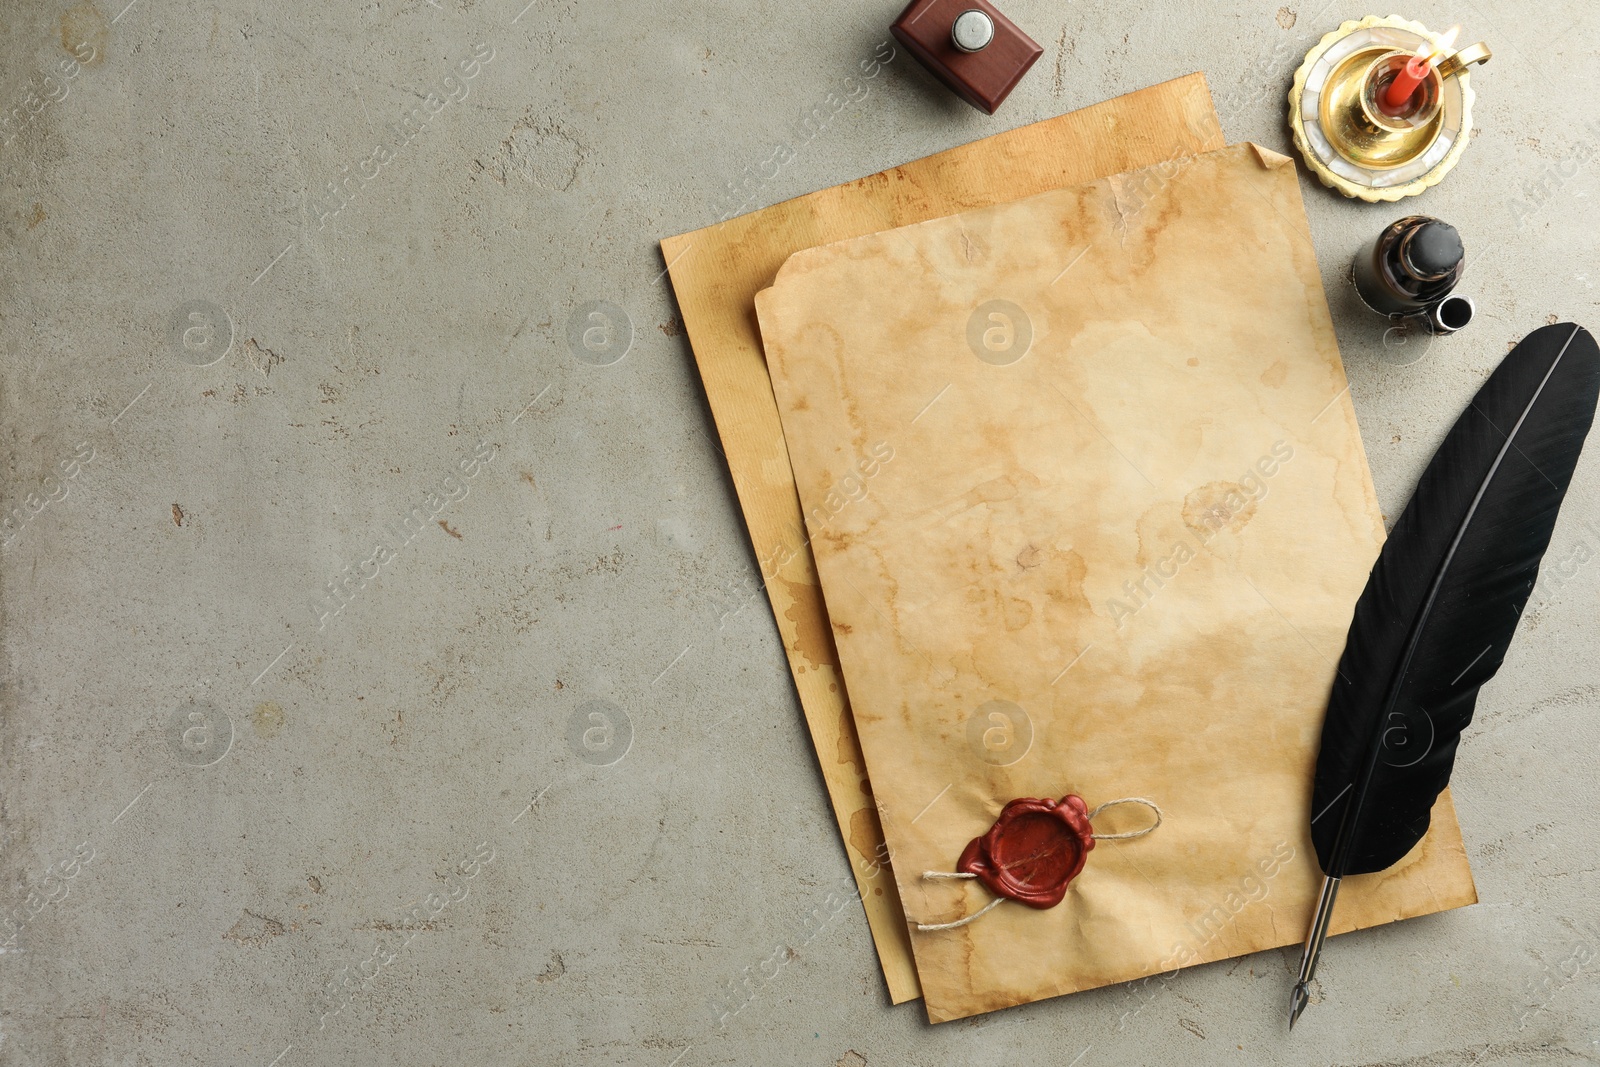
x: 1298, y: 999
x: 1300, y: 996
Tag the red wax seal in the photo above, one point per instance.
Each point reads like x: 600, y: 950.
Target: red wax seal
x: 1033, y: 851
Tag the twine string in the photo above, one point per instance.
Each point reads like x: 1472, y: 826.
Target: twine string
x: 1152, y: 805
x: 929, y: 928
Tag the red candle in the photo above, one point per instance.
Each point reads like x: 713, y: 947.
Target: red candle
x: 1404, y: 87
x: 1400, y: 91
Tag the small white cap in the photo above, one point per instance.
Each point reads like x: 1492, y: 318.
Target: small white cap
x: 972, y: 32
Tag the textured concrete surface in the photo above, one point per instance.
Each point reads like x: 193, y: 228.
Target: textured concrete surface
x: 504, y: 790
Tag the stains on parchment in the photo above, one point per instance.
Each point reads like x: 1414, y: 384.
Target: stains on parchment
x: 998, y: 490
x: 866, y: 834
x: 1218, y: 506
x: 1014, y: 611
x: 82, y: 24
x: 849, y: 749
x: 812, y: 637
x: 1063, y: 587
x: 1143, y: 193
x: 1159, y: 538
x: 974, y: 249
x: 254, y: 929
x: 1050, y: 594
x: 1274, y: 376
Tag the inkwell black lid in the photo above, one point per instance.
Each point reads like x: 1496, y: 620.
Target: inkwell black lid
x: 1431, y: 251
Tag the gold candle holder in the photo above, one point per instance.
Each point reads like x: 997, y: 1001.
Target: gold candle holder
x: 1350, y: 142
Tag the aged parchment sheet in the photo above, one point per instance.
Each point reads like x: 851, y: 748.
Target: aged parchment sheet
x: 1091, y: 511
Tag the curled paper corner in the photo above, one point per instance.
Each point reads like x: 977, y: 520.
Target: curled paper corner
x: 797, y: 264
x: 762, y: 299
x: 1268, y: 158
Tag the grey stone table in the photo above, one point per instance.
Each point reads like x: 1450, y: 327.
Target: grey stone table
x: 365, y: 698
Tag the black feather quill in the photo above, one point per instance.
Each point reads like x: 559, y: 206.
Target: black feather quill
x: 1444, y: 599
x: 1441, y: 605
